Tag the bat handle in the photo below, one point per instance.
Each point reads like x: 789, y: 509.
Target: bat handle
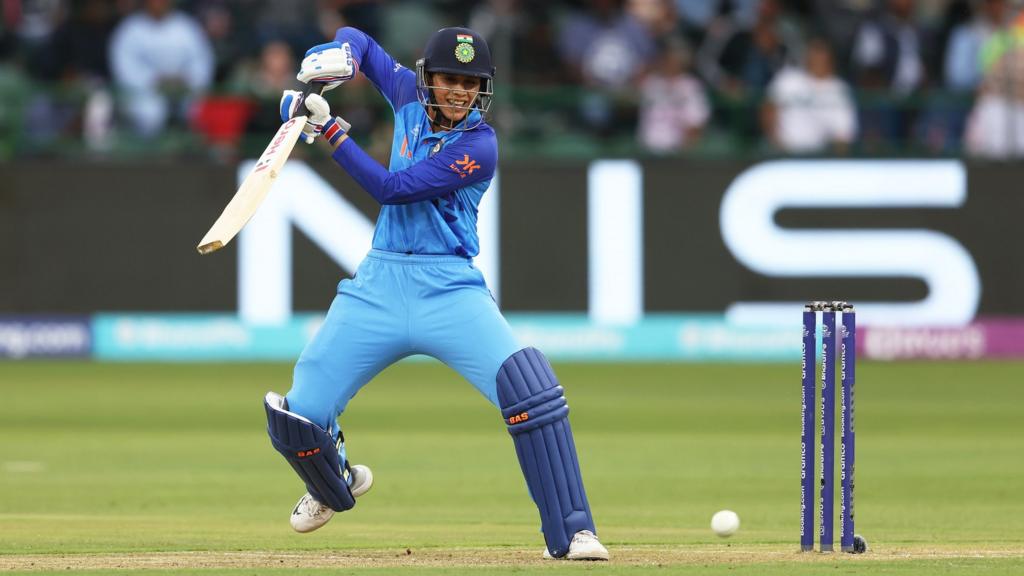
x: 310, y: 88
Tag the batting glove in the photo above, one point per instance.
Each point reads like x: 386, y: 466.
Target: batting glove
x: 318, y: 119
x: 330, y: 64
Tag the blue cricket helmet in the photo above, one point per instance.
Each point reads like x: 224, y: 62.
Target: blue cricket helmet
x: 457, y: 51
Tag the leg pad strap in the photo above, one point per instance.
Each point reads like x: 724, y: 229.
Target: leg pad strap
x: 311, y: 451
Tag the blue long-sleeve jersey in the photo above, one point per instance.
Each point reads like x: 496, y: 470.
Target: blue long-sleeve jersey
x: 430, y: 194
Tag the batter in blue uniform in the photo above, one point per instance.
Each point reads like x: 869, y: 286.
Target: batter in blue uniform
x: 417, y: 291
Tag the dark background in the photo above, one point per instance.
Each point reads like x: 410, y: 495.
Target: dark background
x: 80, y: 238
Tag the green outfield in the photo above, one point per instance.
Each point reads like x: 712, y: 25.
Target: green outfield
x: 132, y: 468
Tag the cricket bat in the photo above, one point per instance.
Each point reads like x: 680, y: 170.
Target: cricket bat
x: 255, y: 187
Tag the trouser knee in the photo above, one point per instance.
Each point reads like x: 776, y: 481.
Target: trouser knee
x: 312, y: 394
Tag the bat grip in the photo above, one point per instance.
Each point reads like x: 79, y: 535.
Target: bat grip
x: 310, y: 88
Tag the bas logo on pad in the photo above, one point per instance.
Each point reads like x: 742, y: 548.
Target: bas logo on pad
x: 307, y: 453
x: 517, y: 418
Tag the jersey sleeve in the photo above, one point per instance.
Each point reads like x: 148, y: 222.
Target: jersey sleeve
x: 467, y: 161
x: 396, y: 82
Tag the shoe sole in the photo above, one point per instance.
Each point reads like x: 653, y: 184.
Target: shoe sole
x: 308, y: 530
x: 587, y: 558
x: 580, y: 558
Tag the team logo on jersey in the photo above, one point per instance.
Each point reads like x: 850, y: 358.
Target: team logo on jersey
x: 464, y: 167
x: 436, y: 148
x: 464, y: 52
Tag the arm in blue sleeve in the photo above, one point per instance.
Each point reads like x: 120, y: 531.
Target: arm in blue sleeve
x: 465, y: 162
x: 396, y: 82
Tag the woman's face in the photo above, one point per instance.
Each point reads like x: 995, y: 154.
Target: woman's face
x: 455, y: 94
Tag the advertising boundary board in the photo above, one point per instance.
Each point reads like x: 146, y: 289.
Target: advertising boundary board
x: 563, y: 337
x: 45, y: 337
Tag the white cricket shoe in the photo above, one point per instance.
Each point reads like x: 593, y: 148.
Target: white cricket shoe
x: 309, y: 514
x: 584, y: 546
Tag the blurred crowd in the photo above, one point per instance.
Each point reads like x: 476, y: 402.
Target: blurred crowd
x: 770, y: 76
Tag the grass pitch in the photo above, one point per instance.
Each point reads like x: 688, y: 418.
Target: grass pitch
x: 137, y: 468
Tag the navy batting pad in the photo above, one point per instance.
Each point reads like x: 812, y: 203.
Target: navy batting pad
x: 311, y: 451
x: 535, y: 410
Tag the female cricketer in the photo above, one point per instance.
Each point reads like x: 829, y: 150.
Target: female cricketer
x: 417, y: 291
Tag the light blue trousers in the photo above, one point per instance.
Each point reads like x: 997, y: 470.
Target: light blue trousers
x: 395, y: 306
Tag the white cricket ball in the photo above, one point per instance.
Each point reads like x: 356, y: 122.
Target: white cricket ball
x: 725, y: 523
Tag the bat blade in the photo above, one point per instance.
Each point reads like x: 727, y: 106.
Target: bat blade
x: 254, y: 188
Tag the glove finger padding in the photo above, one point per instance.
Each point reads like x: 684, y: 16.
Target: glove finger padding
x: 319, y: 115
x: 319, y: 109
x: 291, y: 105
x: 330, y: 64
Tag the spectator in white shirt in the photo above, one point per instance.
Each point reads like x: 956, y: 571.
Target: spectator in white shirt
x: 673, y: 103
x: 995, y: 127
x: 160, y: 60
x: 809, y: 109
